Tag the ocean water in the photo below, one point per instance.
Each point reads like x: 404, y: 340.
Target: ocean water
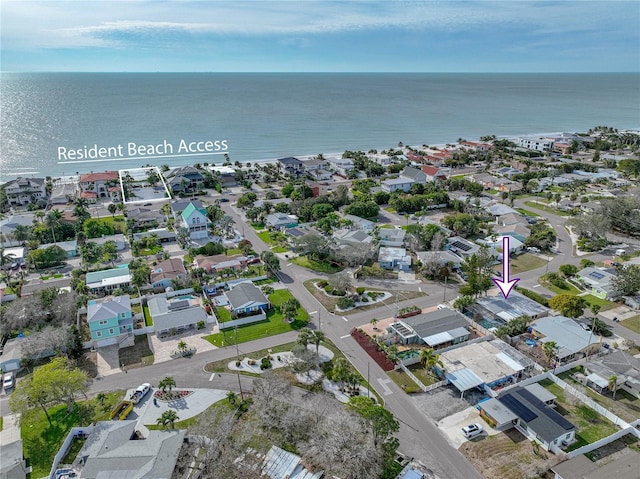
x: 267, y: 116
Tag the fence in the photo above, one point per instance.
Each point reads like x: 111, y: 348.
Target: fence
x: 602, y: 442
x: 75, y: 432
x: 239, y: 322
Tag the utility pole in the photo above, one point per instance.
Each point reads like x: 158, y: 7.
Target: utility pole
x: 444, y: 294
x: 368, y: 385
x: 235, y: 329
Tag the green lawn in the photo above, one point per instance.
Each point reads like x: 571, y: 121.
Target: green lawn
x: 526, y: 212
x: 147, y: 316
x: 149, y: 251
x: 41, y: 441
x: 264, y: 236
x: 523, y: 262
x: 314, y: 265
x: 572, y: 289
x: 632, y: 323
x: 232, y: 251
x: 548, y: 209
x: 274, y: 324
x: 401, y: 378
x: 279, y: 249
x: 118, y: 223
x: 223, y: 314
x: 603, y: 303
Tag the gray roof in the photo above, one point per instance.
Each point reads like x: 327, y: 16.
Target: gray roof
x: 567, y: 334
x: 464, y: 379
x: 36, y: 285
x: 97, y: 276
x: 441, y: 257
x: 391, y: 234
x: 538, y: 416
x: 439, y: 321
x: 280, y: 464
x: 580, y: 467
x: 180, y: 205
x: 618, y: 364
x: 413, y: 173
x: 540, y: 392
x: 111, y: 452
x: 401, y: 180
x: 97, y: 311
x: 174, y: 314
x: 516, y: 305
x: 245, y: 295
x: 352, y: 236
x: 498, y: 411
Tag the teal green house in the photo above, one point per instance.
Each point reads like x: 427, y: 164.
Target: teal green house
x: 110, y: 322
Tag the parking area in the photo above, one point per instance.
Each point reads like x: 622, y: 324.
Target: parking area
x: 162, y: 348
x: 452, y: 426
x: 445, y: 401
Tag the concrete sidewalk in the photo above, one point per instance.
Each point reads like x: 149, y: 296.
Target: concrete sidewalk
x: 146, y: 412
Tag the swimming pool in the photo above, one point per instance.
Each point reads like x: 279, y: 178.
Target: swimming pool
x: 488, y: 324
x: 187, y: 296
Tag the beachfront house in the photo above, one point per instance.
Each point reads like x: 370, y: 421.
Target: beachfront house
x: 111, y: 321
x: 342, y: 166
x: 105, y: 184
x: 24, y: 191
x: 291, y: 165
x: 185, y: 178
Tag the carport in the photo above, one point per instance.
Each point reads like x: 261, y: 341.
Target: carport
x: 463, y: 380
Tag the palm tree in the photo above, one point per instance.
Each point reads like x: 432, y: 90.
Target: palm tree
x: 613, y: 385
x: 167, y: 417
x: 550, y: 349
x: 182, y: 346
x: 318, y: 337
x: 21, y: 234
x: 167, y: 382
x: 5, y: 259
x: 305, y: 336
x: 373, y: 323
x: 231, y: 397
x: 341, y: 370
x: 429, y: 359
x: 53, y: 221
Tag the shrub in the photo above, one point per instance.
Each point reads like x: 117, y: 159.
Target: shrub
x: 322, y: 284
x: 201, y: 324
x: 360, y: 290
x: 345, y: 303
x: 328, y: 289
x: 365, y: 299
x: 238, y: 364
x: 327, y: 369
x: 265, y: 363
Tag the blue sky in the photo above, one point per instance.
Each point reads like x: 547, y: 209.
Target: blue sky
x: 318, y: 36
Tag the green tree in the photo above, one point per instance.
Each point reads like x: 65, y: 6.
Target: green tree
x: 232, y: 397
x: 381, y: 423
x: 341, y: 370
x: 463, y: 302
x: 112, y: 209
x: 167, y: 382
x: 271, y: 261
x: 54, y: 222
x: 613, y: 385
x: 568, y: 269
x: 568, y: 305
x: 110, y: 252
x: 305, y: 336
x: 627, y: 280
x: 168, y: 418
x: 550, y: 350
x: 430, y: 359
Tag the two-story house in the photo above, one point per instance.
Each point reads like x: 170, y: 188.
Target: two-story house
x: 433, y: 173
x: 185, y: 178
x: 99, y: 185
x: 291, y: 165
x: 105, y: 281
x: 110, y: 321
x: 23, y: 191
x: 416, y: 174
x: 195, y: 219
x: 166, y: 271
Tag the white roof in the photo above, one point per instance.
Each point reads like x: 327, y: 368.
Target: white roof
x: 603, y: 383
x: 510, y: 362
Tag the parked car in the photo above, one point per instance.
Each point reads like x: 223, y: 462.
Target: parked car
x: 139, y: 393
x: 472, y: 430
x: 9, y: 381
x: 585, y: 326
x: 533, y: 249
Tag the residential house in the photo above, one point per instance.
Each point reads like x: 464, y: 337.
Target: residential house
x: 291, y: 165
x: 8, y: 228
x: 433, y: 173
x: 342, y: 166
x: 511, y: 218
x: 185, y: 178
x: 391, y: 237
x: 18, y: 254
x: 425, y: 220
x: 501, y: 417
x: 571, y: 339
x: 272, y: 202
x: 225, y: 175
x: 318, y: 169
x: 119, y: 239
x: 438, y: 157
x: 162, y: 234
x: 358, y: 223
x: 164, y: 272
x: 352, y: 237
x: 441, y: 258
x: 486, y: 180
x: 70, y: 247
x: 110, y: 321
x: 281, y: 220
x: 517, y: 231
x: 538, y: 144
x: 146, y: 217
x: 485, y: 365
x: 599, y: 281
x: 515, y: 245
x: 437, y: 329
x: 402, y: 183
x: 195, y: 219
x: 11, y: 358
x: 115, y: 449
x: 99, y: 185
x: 499, y: 209
x: 623, y: 366
x: 24, y: 191
x: 101, y: 282
x: 36, y: 285
x: 246, y: 299
x: 386, y: 160
x: 62, y: 193
x: 462, y: 247
x: 172, y: 316
x: 416, y: 174
x: 12, y: 462
x: 581, y: 467
x: 477, y: 146
x: 508, y: 171
x: 218, y: 263
x: 632, y: 301
x: 496, y: 308
x: 394, y: 258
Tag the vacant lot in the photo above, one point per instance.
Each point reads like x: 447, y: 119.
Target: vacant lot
x: 632, y: 323
x: 508, y: 455
x: 137, y: 355
x: 524, y: 262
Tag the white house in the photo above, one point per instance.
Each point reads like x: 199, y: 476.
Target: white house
x: 342, y: 166
x: 23, y: 191
x: 402, y: 183
x: 195, y: 219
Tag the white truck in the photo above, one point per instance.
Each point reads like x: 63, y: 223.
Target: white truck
x: 138, y: 394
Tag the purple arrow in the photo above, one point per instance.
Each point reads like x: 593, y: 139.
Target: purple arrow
x: 505, y: 284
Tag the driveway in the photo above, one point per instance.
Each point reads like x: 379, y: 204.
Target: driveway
x: 451, y: 426
x: 108, y: 360
x: 162, y: 348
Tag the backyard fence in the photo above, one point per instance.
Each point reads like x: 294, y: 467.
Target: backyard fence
x: 239, y: 322
x: 602, y: 442
x: 75, y: 432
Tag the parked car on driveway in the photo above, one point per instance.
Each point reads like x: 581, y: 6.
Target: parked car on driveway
x: 472, y: 430
x: 9, y: 381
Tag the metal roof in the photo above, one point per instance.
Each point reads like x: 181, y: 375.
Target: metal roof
x: 464, y: 379
x: 566, y: 333
x: 446, y: 336
x: 497, y: 411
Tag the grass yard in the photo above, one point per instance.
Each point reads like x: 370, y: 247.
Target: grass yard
x: 572, y: 289
x: 603, y: 303
x: 232, y: 251
x: 266, y: 237
x: 279, y: 249
x: 274, y: 324
x: 526, y: 212
x: 423, y: 374
x: 523, y: 262
x: 147, y: 316
x: 138, y: 355
x: 149, y: 251
x: 222, y: 405
x: 548, y: 209
x: 401, y: 378
x: 41, y: 440
x: 118, y: 223
x: 632, y: 323
x: 223, y: 314
x: 315, y: 265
